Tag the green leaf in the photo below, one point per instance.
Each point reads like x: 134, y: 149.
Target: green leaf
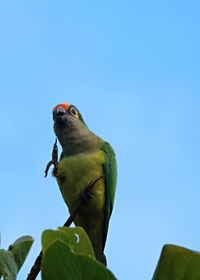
x: 60, y: 263
x: 12, y: 259
x: 8, y: 266
x: 21, y: 248
x: 178, y: 263
x: 76, y: 238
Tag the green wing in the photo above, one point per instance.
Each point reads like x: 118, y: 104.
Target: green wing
x: 110, y: 171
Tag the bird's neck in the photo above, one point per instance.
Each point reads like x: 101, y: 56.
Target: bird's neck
x: 78, y: 141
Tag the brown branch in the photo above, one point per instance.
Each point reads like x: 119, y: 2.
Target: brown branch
x: 35, y: 268
x: 86, y: 193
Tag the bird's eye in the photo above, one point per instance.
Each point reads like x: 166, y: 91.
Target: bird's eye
x: 74, y: 112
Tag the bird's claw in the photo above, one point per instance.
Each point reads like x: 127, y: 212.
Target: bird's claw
x: 54, y: 160
x: 86, y: 195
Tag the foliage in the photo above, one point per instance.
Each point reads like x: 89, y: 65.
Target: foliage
x: 12, y: 259
x: 178, y: 263
x: 68, y: 254
x: 75, y: 237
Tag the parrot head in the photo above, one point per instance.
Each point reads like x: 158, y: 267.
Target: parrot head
x: 69, y: 126
x: 64, y: 112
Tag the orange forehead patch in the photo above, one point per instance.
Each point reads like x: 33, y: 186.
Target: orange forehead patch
x: 64, y: 105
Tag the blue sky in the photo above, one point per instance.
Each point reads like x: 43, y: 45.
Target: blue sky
x: 132, y: 68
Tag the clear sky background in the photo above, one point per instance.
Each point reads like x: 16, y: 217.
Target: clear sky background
x: 132, y: 68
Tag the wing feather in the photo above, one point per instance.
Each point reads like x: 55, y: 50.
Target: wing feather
x: 110, y: 171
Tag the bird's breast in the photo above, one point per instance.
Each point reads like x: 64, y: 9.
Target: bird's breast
x: 76, y: 172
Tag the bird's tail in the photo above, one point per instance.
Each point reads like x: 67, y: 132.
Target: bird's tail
x: 102, y: 258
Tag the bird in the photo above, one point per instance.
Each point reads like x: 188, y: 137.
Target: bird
x: 85, y: 156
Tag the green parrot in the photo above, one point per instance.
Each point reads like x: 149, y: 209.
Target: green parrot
x: 84, y: 158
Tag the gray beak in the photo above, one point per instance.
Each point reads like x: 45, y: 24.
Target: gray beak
x: 59, y: 115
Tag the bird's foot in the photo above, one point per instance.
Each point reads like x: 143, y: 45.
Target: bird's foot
x: 54, y: 160
x: 86, y: 195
